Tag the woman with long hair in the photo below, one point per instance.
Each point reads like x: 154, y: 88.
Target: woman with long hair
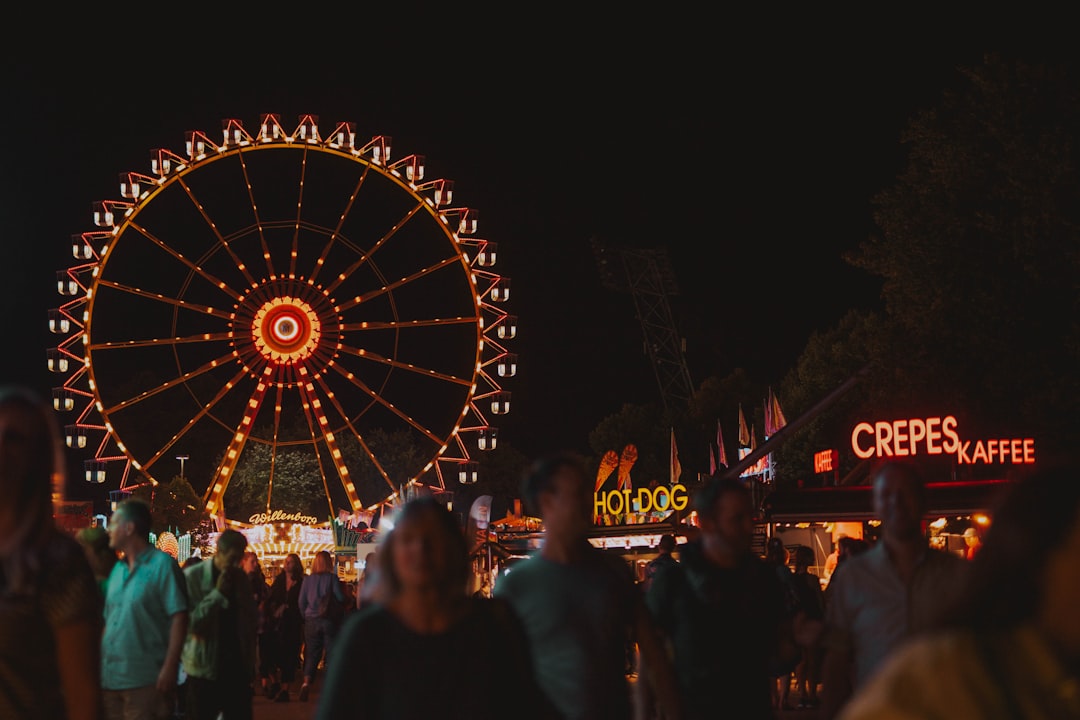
x: 50, y: 605
x: 285, y: 626
x: 320, y: 595
x: 426, y: 648
x: 1010, y: 648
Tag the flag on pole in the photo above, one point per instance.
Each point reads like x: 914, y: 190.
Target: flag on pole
x: 676, y: 467
x: 744, y: 434
x: 712, y: 461
x: 721, y: 457
x: 777, y: 414
x: 753, y: 439
x: 770, y: 427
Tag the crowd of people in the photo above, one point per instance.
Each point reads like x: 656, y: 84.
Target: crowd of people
x: 903, y: 630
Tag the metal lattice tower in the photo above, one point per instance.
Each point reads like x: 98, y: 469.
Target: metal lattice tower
x: 646, y: 274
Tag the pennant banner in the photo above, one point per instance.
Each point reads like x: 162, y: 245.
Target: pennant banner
x: 744, y: 434
x: 721, y: 456
x: 676, y: 467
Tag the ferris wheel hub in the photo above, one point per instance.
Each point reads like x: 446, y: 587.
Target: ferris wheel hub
x: 285, y: 330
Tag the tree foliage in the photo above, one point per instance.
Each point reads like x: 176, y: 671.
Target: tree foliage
x: 978, y: 247
x: 174, y: 506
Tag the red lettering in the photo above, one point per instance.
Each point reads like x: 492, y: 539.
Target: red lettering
x: 900, y: 437
x: 918, y: 433
x: 1029, y: 451
x: 884, y: 438
x: 932, y: 436
x: 961, y: 454
x: 1014, y: 450
x: 861, y: 429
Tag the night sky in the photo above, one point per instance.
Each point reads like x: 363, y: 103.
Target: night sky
x: 753, y: 164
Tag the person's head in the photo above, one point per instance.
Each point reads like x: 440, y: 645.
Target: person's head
x: 322, y: 563
x: 556, y: 490
x: 95, y: 542
x: 899, y: 500
x: 775, y: 552
x: 293, y: 566
x: 1026, y: 569
x: 129, y: 526
x: 231, y: 545
x: 726, y: 514
x: 426, y: 550
x: 31, y: 467
x: 666, y: 546
x: 804, y: 558
x: 250, y: 563
x: 848, y: 547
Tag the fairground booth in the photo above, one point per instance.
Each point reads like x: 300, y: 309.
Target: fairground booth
x: 628, y: 521
x: 963, y: 475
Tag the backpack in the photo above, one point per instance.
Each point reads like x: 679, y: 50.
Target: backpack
x: 331, y: 608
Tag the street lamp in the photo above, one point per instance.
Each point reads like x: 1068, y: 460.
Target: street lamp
x: 182, y: 458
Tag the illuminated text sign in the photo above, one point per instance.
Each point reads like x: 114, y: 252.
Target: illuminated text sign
x: 658, y: 499
x: 825, y: 461
x: 281, y: 516
x: 936, y: 436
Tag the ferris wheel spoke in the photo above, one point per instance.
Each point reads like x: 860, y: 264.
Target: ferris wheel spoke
x: 170, y: 384
x: 194, y: 267
x: 258, y: 222
x: 299, y: 208
x: 274, y: 445
x: 307, y: 390
x: 206, y: 337
x: 356, y: 433
x: 214, y: 493
x: 382, y: 241
x: 341, y: 221
x: 162, y: 298
x: 203, y: 411
x: 389, y: 406
x: 376, y: 357
x: 404, y: 324
x: 217, y: 233
x: 348, y: 304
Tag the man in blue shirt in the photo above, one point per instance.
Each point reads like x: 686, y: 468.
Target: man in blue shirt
x: 146, y: 618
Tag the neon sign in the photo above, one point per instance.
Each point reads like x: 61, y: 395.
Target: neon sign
x: 825, y: 461
x: 658, y: 499
x: 281, y: 516
x: 936, y: 436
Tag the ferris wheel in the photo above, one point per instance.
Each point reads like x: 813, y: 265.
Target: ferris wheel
x: 277, y: 292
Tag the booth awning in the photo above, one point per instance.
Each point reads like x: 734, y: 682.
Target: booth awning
x: 855, y: 503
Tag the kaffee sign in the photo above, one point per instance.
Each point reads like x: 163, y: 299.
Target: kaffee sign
x: 937, y: 436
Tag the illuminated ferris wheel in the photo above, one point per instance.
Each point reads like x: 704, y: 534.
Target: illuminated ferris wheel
x: 283, y: 291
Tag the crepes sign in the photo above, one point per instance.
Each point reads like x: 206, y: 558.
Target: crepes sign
x: 937, y: 436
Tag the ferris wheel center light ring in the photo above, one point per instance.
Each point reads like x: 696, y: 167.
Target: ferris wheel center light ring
x: 286, y: 329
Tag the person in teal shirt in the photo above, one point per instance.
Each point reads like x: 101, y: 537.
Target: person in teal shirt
x: 146, y: 618
x: 580, y: 608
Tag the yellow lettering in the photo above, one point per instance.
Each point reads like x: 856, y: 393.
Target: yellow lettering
x: 679, y: 497
x: 644, y: 500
